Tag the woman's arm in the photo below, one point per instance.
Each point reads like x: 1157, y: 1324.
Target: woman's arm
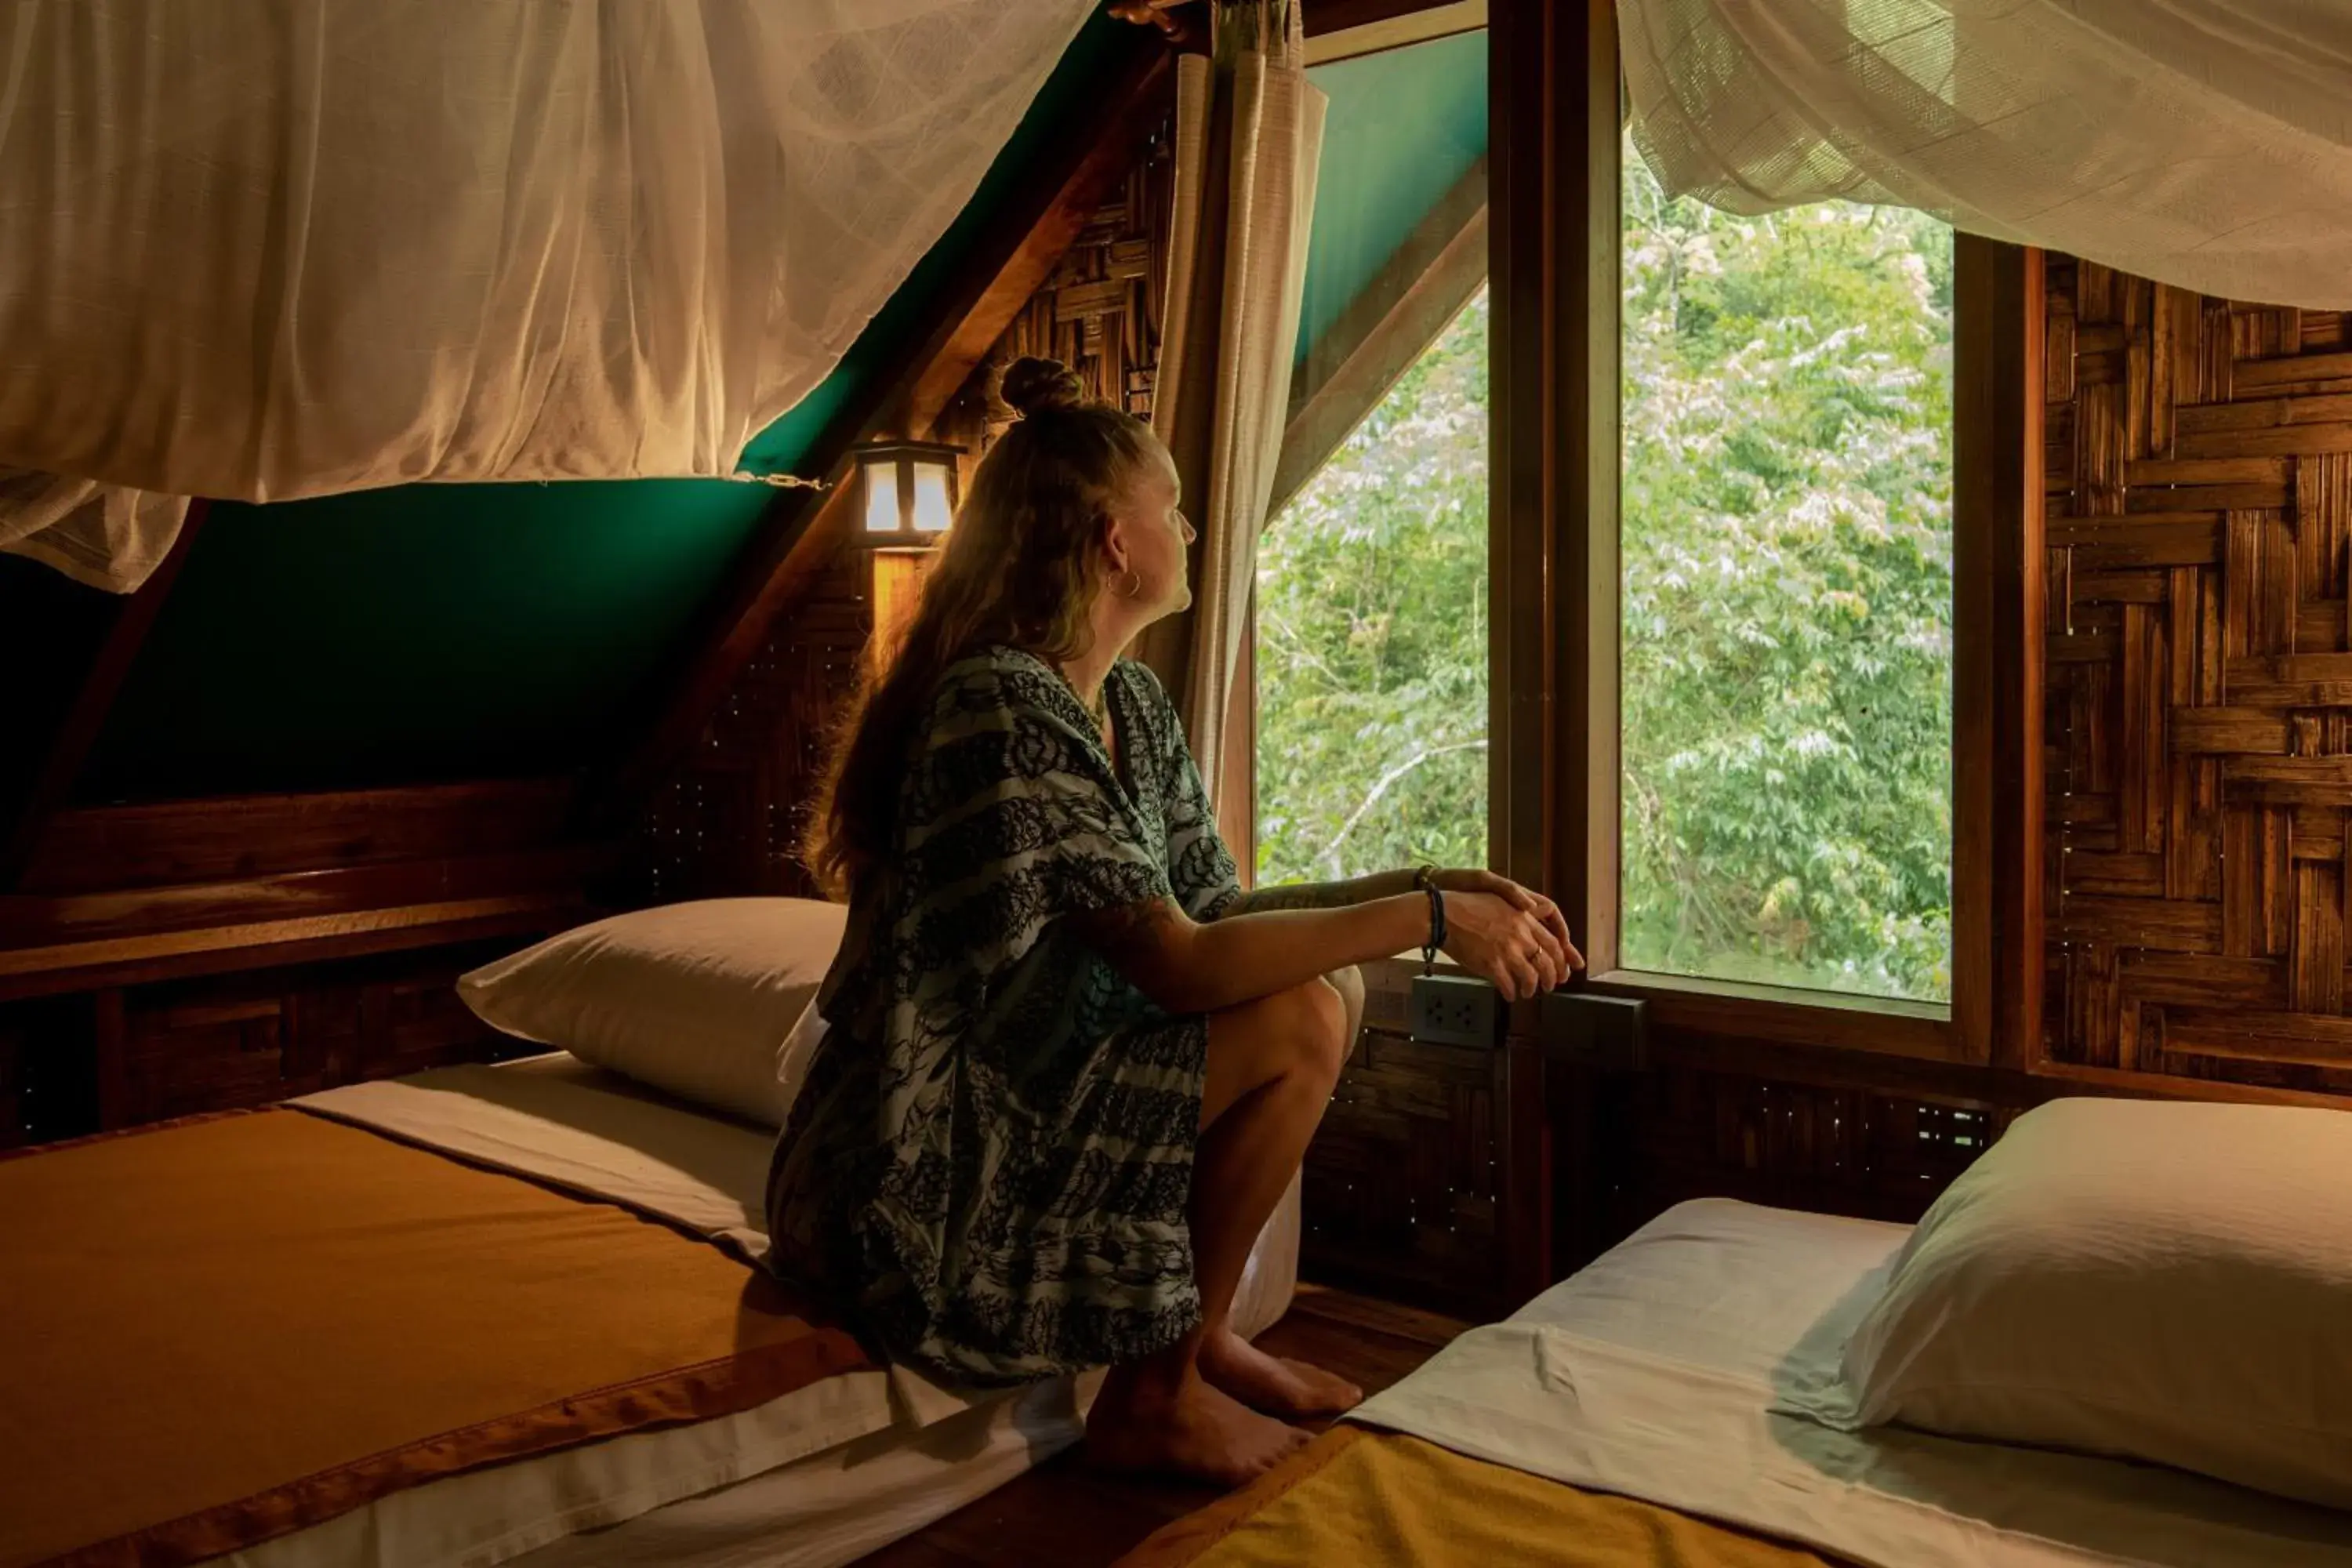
x: 1187, y: 966
x: 1389, y: 884
x: 1322, y: 895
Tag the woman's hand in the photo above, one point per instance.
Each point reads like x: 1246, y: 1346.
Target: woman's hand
x: 1538, y: 944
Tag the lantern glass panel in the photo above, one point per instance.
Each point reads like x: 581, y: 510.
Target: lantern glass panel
x: 881, y: 494
x: 933, y: 510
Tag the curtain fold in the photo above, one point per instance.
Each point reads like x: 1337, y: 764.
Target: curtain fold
x: 2204, y: 143
x: 257, y: 249
x: 108, y: 537
x: 1249, y: 135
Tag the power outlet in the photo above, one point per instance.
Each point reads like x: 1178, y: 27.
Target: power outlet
x: 1454, y: 1010
x: 1606, y: 1033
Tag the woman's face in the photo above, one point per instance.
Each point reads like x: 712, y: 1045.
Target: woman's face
x: 1154, y: 537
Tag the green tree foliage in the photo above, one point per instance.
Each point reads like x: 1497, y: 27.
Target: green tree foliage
x: 1372, y: 637
x: 1785, y: 514
x: 1787, y: 641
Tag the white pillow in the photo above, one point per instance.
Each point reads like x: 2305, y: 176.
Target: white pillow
x: 696, y: 999
x: 2161, y: 1281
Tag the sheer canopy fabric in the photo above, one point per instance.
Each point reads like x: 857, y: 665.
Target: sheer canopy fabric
x: 264, y: 249
x: 107, y: 536
x: 2205, y: 143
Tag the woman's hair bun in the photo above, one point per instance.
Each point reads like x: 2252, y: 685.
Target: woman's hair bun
x: 1034, y: 386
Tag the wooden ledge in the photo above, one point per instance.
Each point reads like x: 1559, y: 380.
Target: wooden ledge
x: 67, y: 967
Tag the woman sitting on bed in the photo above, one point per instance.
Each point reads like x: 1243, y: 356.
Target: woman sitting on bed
x: 1070, y: 1066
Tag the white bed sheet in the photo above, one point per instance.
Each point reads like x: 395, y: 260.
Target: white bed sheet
x: 1655, y: 1372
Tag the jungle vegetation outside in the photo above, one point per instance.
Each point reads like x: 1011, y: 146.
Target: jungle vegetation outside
x: 1787, y: 694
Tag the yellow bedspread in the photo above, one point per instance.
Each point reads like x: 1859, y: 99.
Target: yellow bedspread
x: 1372, y: 1500
x: 218, y: 1331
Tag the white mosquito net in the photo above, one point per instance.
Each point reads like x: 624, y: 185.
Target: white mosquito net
x: 264, y: 248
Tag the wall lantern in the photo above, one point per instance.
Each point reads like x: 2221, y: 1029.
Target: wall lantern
x: 907, y: 493
x: 906, y: 501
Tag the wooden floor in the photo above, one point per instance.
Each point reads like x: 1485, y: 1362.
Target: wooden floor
x: 1061, y: 1515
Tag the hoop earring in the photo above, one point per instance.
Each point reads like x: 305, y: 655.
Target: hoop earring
x: 1135, y: 584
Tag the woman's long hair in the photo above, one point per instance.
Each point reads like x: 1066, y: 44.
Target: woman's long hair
x: 1020, y: 567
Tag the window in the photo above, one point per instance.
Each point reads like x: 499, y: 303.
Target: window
x: 1371, y: 635
x: 1371, y: 644
x: 1785, y: 509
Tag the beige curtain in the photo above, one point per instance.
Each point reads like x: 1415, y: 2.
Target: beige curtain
x: 1249, y: 132
x: 2200, y: 142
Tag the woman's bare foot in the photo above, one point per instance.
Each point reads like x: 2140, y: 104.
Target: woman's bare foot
x: 1292, y: 1389
x: 1194, y: 1430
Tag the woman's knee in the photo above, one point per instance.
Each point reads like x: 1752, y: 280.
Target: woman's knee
x: 1316, y: 1016
x: 1299, y: 1034
x: 1350, y: 983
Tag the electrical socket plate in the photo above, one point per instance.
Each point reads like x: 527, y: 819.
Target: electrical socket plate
x: 1606, y: 1033
x: 1454, y: 1010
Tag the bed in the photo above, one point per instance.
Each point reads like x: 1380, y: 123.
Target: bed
x: 1637, y: 1414
x: 223, y: 1256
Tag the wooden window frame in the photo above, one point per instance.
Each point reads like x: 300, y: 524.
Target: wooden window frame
x: 1554, y: 812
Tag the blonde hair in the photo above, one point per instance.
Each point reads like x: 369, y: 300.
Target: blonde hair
x: 1020, y: 567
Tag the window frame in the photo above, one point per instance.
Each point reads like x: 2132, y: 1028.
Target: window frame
x: 1555, y: 814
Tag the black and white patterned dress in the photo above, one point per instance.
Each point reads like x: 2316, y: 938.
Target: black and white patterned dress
x: 989, y: 1167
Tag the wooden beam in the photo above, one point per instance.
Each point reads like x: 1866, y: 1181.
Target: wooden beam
x: 1998, y: 639
x: 1322, y: 17
x: 1552, y: 525
x: 794, y: 539
x: 25, y: 807
x: 1442, y: 19
x: 1390, y: 323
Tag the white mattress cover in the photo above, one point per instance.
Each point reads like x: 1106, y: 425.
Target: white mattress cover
x: 1655, y: 1373
x: 835, y: 1507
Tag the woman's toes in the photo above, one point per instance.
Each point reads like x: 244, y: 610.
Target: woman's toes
x: 1292, y: 1389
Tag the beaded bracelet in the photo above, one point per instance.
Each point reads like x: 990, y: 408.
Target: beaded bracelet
x: 1425, y: 879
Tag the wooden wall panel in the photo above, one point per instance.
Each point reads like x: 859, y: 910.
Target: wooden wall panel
x: 1403, y: 1183
x: 1686, y: 1133
x: 255, y: 1039
x: 236, y: 838
x: 15, y: 1121
x: 124, y: 1056
x: 2200, y: 710
x: 728, y: 821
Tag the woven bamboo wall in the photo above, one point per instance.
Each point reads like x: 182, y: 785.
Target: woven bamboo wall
x: 1099, y: 312
x: 2199, y: 682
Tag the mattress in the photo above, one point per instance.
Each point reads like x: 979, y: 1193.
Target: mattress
x: 818, y: 1477
x: 1658, y: 1374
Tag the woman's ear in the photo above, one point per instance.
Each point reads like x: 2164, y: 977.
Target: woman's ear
x: 1114, y: 541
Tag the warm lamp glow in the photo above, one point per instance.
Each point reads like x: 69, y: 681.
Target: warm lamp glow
x: 933, y: 508
x: 911, y: 491
x: 907, y: 507
x: 881, y: 477
x: 898, y: 587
